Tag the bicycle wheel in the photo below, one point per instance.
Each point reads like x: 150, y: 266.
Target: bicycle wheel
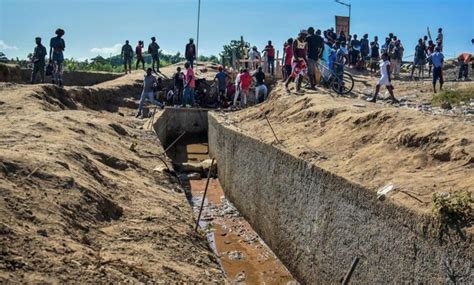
x: 343, y: 86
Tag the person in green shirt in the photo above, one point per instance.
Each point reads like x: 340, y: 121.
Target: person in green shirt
x: 39, y: 62
x: 126, y: 56
x: 153, y: 49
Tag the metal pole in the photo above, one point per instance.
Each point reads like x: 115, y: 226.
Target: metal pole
x: 350, y: 5
x: 197, y: 37
x: 348, y: 276
x: 204, y: 196
x: 175, y: 141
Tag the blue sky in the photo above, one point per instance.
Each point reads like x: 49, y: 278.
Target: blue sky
x: 101, y: 26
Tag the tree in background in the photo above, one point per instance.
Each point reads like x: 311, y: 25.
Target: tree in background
x: 233, y: 47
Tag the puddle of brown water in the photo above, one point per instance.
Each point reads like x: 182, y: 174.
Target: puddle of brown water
x: 238, y: 245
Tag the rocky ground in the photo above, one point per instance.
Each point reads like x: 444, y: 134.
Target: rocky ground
x: 80, y: 201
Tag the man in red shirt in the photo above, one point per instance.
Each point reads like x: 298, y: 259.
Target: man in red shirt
x: 270, y: 57
x: 245, y: 82
x: 189, y: 85
x: 464, y: 59
x: 138, y: 52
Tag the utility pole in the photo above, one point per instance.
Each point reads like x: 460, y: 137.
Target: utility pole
x: 349, y: 6
x: 197, y: 37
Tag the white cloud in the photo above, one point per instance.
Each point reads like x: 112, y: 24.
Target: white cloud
x: 106, y: 51
x: 4, y: 46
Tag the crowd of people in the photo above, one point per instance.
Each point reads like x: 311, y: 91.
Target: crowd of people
x: 300, y: 61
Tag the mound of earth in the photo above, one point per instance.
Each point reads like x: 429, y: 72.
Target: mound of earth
x: 80, y: 201
x: 369, y: 144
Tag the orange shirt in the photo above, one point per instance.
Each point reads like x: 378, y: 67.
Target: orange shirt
x: 466, y: 57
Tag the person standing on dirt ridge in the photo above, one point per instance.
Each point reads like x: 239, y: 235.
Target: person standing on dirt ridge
x: 139, y: 53
x: 56, y: 56
x: 315, y: 49
x: 221, y: 78
x: 190, y: 52
x: 288, y: 58
x: 364, y: 46
x: 154, y: 50
x: 189, y: 85
x: 178, y: 78
x: 149, y: 84
x: 439, y: 39
x: 437, y: 58
x: 339, y: 62
x: 464, y: 59
x: 261, y: 90
x: 126, y: 56
x: 374, y: 54
x: 270, y: 58
x: 299, y: 66
x: 420, y: 58
x: 39, y: 61
x: 384, y: 80
x: 245, y: 83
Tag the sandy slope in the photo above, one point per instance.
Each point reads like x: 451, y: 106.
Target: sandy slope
x: 372, y: 145
x: 77, y: 205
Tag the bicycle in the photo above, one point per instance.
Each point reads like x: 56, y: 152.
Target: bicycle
x: 331, y: 80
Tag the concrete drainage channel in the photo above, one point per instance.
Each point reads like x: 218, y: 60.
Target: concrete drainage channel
x: 317, y: 223
x: 244, y: 257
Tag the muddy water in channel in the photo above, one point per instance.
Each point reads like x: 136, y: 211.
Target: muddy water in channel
x: 243, y: 255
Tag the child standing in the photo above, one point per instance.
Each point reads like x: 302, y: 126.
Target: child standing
x: 384, y: 79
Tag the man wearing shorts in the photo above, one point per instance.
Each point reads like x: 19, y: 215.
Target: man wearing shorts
x: 420, y: 58
x: 300, y: 51
x: 384, y: 80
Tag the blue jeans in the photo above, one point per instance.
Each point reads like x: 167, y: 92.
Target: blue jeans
x: 271, y: 64
x: 189, y: 96
x: 151, y: 97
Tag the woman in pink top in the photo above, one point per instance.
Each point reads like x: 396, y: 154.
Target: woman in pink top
x: 288, y: 57
x: 189, y: 85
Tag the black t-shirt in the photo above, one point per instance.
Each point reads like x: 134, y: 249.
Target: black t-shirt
x: 178, y: 79
x: 315, y: 46
x: 364, y: 46
x: 260, y: 76
x: 374, y: 49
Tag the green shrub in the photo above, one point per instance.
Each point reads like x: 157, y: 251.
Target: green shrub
x: 453, y: 209
x: 453, y: 97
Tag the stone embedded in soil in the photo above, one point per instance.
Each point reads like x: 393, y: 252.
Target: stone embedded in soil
x: 235, y: 255
x: 194, y: 176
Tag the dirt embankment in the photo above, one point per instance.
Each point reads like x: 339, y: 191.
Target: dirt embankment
x: 372, y: 145
x: 13, y: 73
x: 78, y: 203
